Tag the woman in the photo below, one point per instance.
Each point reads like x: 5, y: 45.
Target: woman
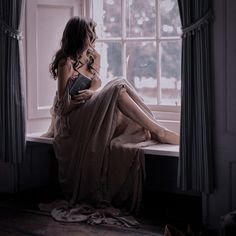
x: 98, y: 134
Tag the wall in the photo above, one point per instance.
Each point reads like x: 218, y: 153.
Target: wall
x: 223, y: 199
x: 45, y: 21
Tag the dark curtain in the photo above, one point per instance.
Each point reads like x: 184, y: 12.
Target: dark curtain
x: 12, y: 114
x: 196, y: 157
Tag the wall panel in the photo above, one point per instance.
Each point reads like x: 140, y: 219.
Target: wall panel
x: 45, y: 21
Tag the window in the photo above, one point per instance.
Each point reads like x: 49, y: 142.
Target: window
x: 138, y: 39
x: 141, y: 41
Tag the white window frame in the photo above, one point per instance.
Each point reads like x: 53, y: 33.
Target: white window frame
x: 38, y: 122
x: 165, y: 113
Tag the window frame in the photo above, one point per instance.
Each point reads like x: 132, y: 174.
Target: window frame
x: 164, y: 110
x: 40, y: 123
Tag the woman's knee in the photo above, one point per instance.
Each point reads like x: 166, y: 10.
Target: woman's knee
x: 123, y: 93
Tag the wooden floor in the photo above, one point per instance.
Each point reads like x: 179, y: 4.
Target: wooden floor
x: 19, y: 215
x: 28, y: 223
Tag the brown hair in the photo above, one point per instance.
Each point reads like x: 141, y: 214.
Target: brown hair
x: 78, y: 34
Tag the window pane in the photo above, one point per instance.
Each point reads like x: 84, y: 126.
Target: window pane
x: 170, y: 19
x: 141, y: 69
x: 111, y: 60
x: 140, y: 18
x: 107, y: 15
x: 170, y: 72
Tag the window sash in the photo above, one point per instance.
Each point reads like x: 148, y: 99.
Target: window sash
x: 158, y: 39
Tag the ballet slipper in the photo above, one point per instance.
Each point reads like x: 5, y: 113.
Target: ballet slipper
x: 166, y: 136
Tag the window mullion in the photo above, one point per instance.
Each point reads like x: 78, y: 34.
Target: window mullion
x: 170, y: 38
x: 128, y: 39
x: 87, y: 8
x: 158, y: 64
x: 123, y: 36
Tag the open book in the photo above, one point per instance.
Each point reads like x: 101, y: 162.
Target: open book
x: 81, y: 82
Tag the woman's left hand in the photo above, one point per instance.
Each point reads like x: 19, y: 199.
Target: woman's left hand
x: 84, y: 95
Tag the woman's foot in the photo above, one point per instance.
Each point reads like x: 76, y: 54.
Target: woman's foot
x: 166, y: 136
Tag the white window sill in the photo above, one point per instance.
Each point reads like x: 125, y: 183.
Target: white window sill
x: 36, y: 137
x: 162, y: 150
x: 159, y: 150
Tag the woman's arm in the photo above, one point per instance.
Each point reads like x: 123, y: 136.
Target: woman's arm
x: 92, y: 70
x: 96, y: 83
x: 65, y: 71
x: 97, y: 61
x: 65, y: 103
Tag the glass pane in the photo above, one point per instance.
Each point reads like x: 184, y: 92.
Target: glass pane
x: 107, y: 15
x: 141, y: 69
x: 111, y: 60
x: 140, y: 18
x: 170, y: 72
x: 170, y: 19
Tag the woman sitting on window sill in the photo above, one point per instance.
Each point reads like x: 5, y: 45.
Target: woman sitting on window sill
x: 98, y: 135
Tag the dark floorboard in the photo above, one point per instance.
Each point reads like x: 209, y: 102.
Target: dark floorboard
x: 19, y: 215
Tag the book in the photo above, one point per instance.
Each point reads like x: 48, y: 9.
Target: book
x: 81, y: 82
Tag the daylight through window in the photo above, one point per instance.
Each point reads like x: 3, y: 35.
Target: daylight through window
x: 141, y: 41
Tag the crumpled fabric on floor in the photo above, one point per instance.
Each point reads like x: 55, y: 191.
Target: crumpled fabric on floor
x: 100, y: 156
x: 61, y: 212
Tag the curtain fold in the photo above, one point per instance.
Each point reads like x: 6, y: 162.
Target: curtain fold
x: 12, y: 112
x: 195, y: 172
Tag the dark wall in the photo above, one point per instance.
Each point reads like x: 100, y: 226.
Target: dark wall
x: 223, y: 199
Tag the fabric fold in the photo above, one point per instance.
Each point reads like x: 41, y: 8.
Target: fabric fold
x: 99, y: 153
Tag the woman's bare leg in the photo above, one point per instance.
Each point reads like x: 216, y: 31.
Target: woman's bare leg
x: 129, y: 108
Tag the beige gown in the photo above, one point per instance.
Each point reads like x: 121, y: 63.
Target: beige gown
x: 101, y: 163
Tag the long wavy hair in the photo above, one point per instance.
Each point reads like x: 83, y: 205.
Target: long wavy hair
x: 78, y: 34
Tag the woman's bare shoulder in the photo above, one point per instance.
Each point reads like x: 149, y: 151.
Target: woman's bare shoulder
x: 65, y: 71
x: 65, y: 62
x: 65, y: 67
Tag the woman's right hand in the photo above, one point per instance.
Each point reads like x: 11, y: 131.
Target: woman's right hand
x: 82, y: 96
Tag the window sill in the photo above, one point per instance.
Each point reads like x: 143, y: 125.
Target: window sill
x: 158, y: 150
x: 162, y: 150
x: 35, y: 137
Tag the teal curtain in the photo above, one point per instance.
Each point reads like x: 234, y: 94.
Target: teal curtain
x: 12, y: 114
x: 195, y: 172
